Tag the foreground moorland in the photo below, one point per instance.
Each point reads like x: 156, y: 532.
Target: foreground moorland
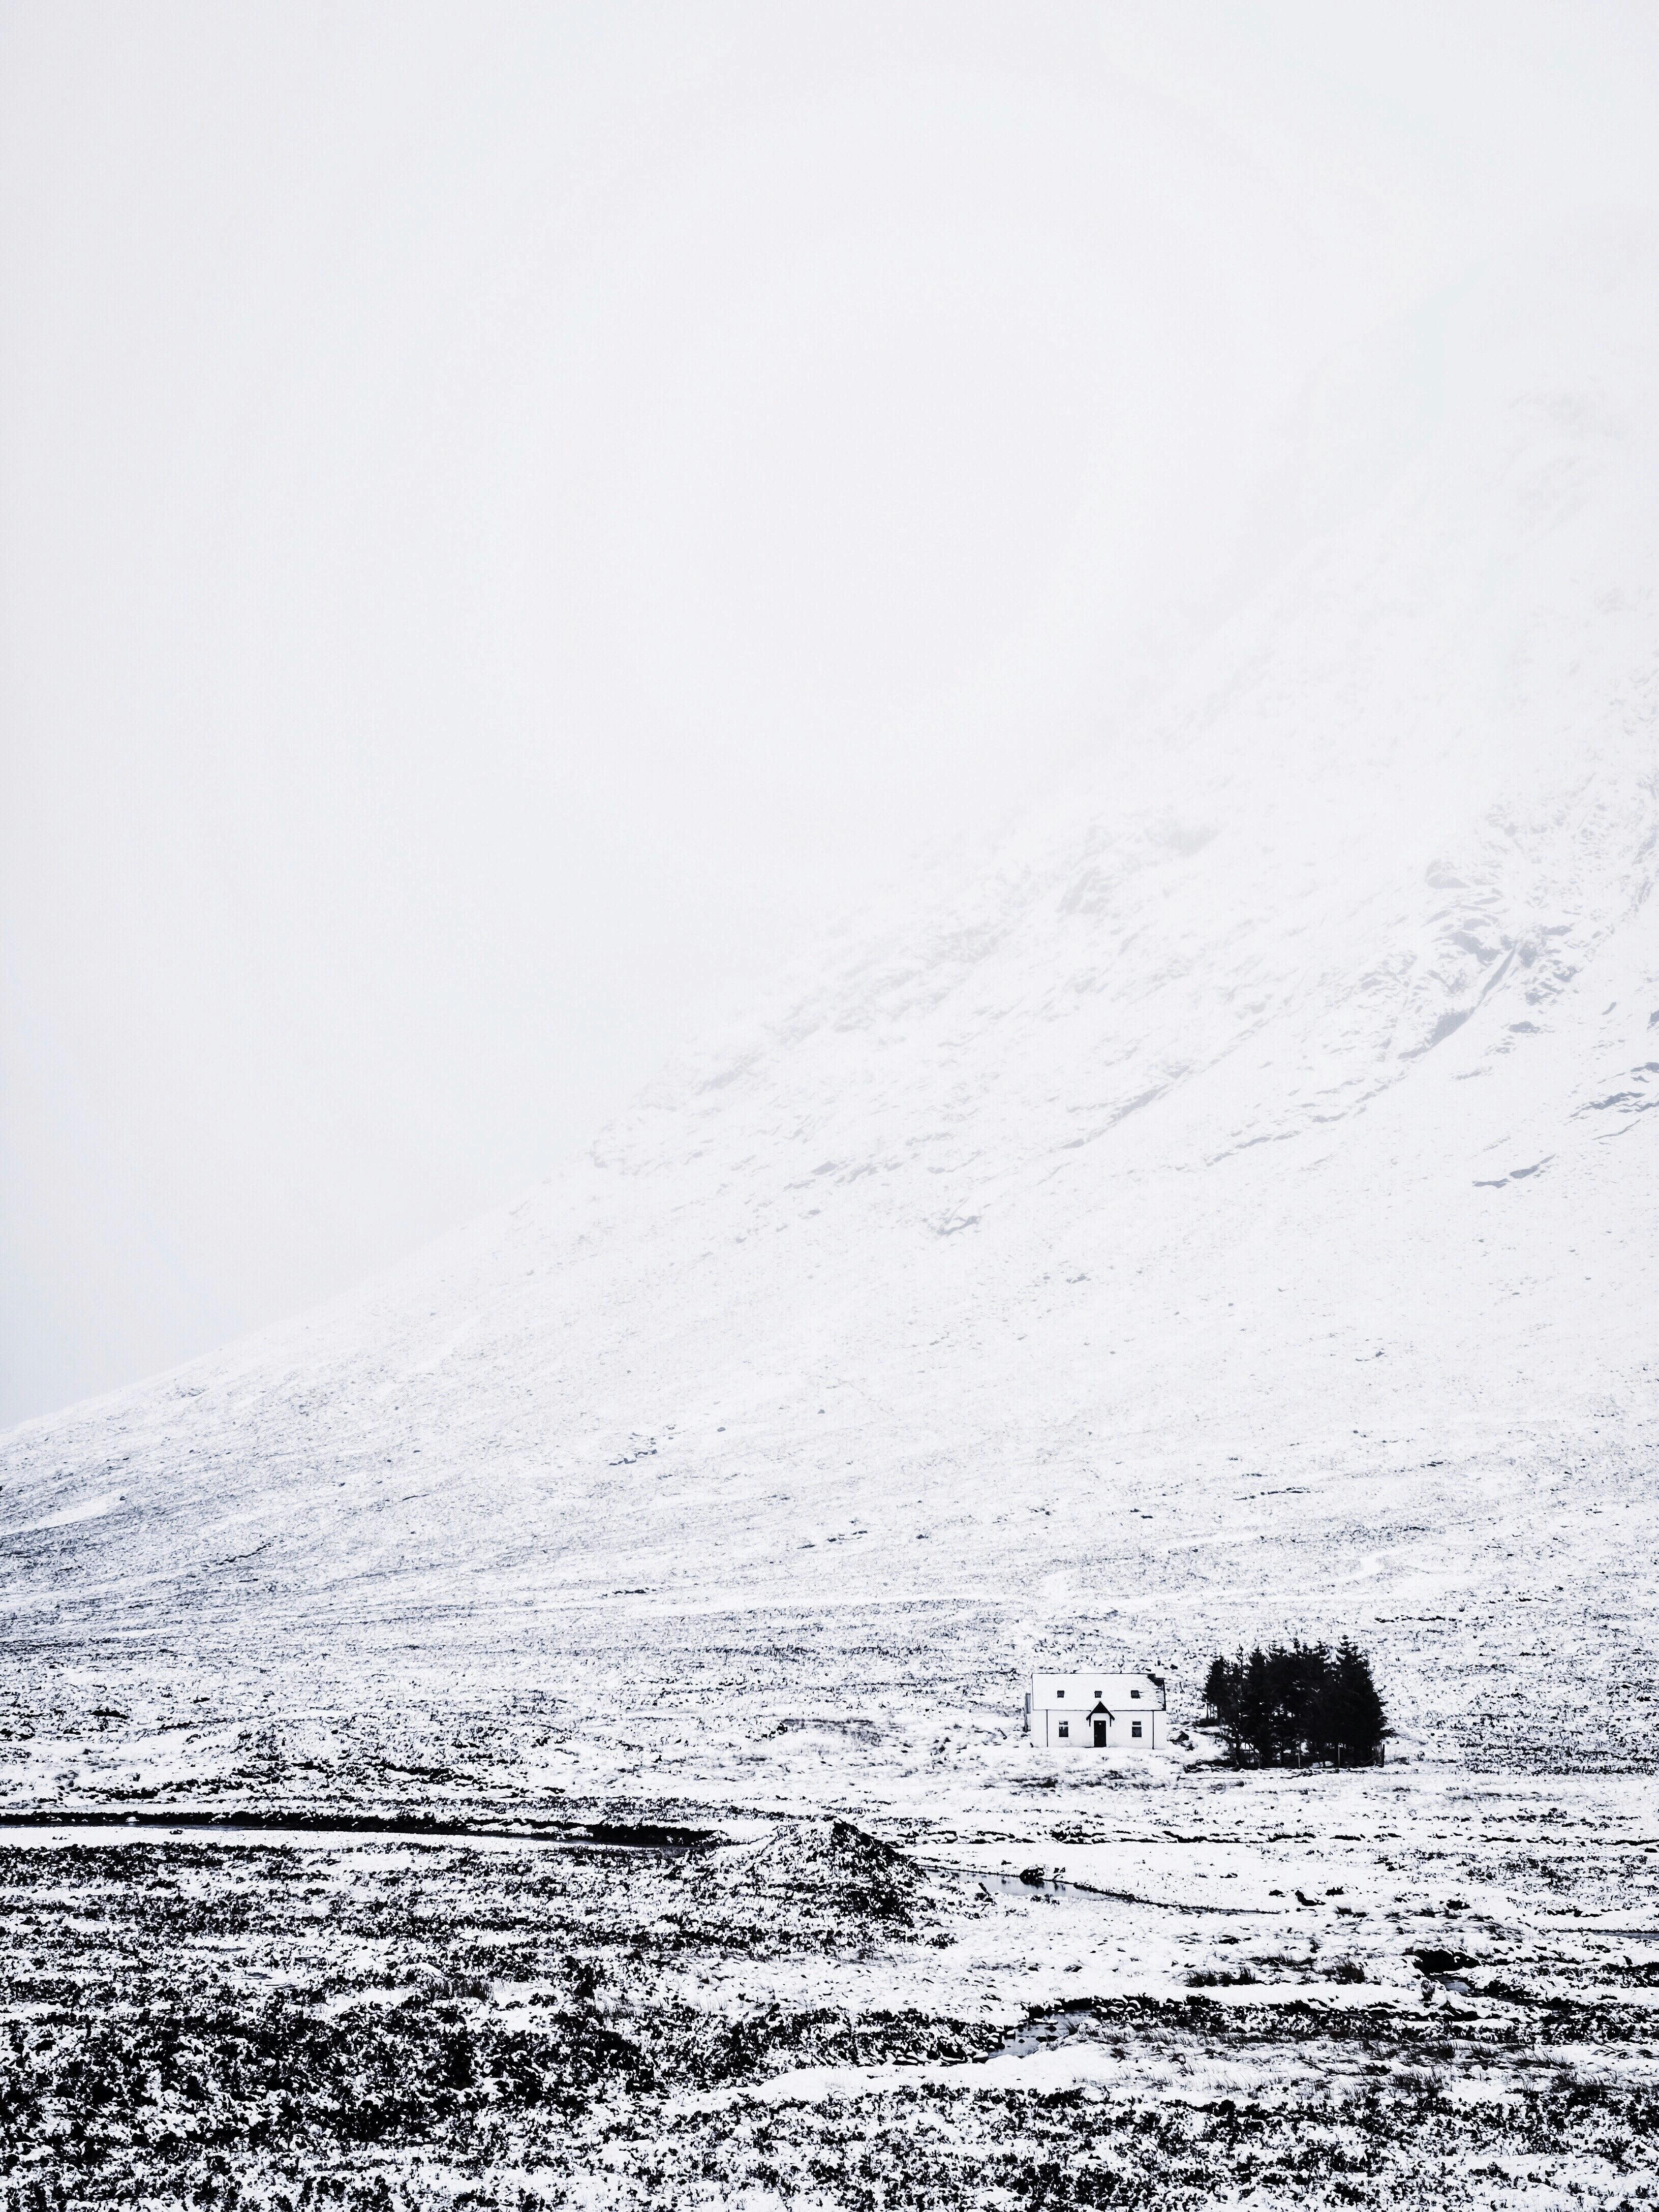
x: 1028, y: 1983
x: 1217, y: 1208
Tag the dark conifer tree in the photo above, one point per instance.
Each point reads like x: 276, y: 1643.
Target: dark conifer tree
x: 1255, y: 1708
x: 1297, y: 1701
x: 1226, y: 1682
x: 1357, y: 1722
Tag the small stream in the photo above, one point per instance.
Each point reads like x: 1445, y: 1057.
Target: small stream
x: 1055, y: 1889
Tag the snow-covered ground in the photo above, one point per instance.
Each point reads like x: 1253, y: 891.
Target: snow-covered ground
x: 1226, y: 1205
x: 1223, y: 1208
x: 1376, y: 1991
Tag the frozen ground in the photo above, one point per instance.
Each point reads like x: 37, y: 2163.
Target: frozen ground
x: 1225, y: 1208
x: 1388, y: 1989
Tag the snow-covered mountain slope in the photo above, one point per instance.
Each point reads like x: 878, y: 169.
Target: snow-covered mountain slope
x: 1228, y: 1205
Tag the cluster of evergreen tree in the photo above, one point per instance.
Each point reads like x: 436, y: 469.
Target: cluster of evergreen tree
x: 1296, y: 1702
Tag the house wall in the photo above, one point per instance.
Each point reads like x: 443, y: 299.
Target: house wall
x: 1055, y: 1698
x: 1120, y: 1736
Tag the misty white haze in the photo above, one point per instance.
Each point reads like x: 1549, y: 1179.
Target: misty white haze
x: 513, y: 517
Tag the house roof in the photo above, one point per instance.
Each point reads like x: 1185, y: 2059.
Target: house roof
x: 1075, y: 1688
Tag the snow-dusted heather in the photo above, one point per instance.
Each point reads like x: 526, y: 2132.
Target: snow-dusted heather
x: 1380, y: 1992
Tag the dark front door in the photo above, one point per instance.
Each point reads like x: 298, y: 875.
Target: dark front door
x: 1100, y: 1736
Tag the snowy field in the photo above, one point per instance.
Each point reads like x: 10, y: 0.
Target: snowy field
x: 894, y: 1954
x: 1225, y: 1209
x: 1168, y: 1986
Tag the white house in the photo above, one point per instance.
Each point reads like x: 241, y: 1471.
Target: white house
x: 1097, y: 1712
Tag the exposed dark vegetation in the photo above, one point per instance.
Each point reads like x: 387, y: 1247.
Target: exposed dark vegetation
x: 1398, y: 2141
x: 1296, y: 1703
x: 433, y: 2000
x: 262, y: 2028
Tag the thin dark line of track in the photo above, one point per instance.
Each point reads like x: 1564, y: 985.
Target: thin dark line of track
x: 193, y: 1821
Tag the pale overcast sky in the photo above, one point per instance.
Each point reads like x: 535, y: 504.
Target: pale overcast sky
x: 508, y: 513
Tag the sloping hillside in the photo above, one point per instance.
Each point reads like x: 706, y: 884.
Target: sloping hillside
x: 1226, y: 1205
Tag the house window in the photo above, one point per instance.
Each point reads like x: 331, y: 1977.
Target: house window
x: 1066, y: 1728
x: 1134, y: 1728
x: 1134, y: 1694
x: 1060, y: 1693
